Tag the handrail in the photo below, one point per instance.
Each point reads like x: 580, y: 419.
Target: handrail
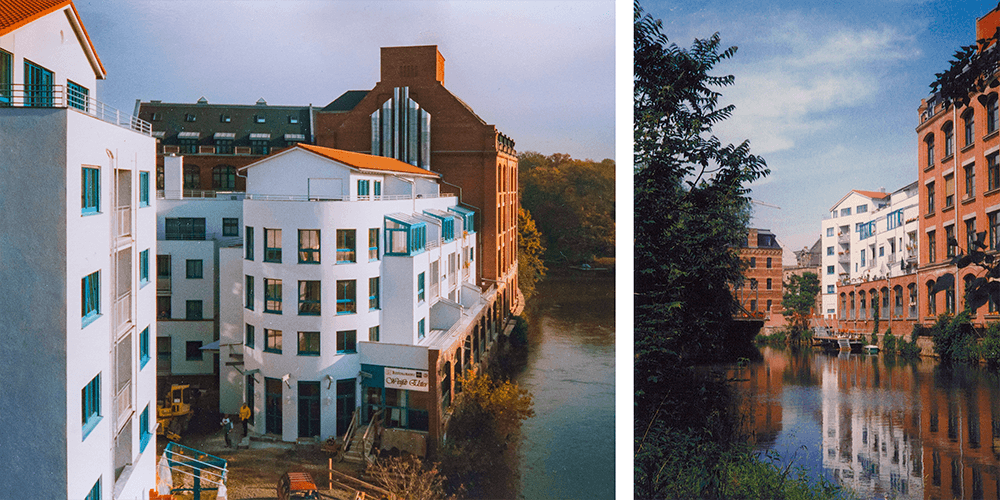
x: 58, y: 96
x: 349, y: 433
x: 368, y: 438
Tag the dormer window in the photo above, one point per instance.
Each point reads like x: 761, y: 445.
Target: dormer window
x: 293, y: 119
x: 259, y: 119
x: 190, y: 118
x: 225, y: 118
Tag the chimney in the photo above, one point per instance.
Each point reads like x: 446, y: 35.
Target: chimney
x: 173, y: 177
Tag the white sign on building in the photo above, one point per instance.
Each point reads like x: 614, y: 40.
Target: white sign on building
x: 411, y: 380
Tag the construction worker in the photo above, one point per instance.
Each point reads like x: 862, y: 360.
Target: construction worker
x: 244, y: 417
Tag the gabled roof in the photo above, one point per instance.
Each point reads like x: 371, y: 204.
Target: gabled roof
x: 875, y: 195
x: 347, y: 101
x: 359, y: 161
x: 15, y: 14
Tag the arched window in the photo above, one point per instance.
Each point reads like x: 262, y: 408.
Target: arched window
x: 969, y: 126
x: 192, y: 177
x: 885, y: 303
x: 873, y: 298
x: 912, y: 289
x: 897, y: 292
x: 929, y: 146
x: 224, y: 178
x: 992, y: 115
x: 966, y: 282
x: 843, y: 306
x: 863, y: 306
x: 949, y: 139
x: 931, y: 303
x: 853, y: 310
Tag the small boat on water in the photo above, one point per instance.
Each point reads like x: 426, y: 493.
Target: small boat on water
x: 871, y: 349
x: 586, y: 267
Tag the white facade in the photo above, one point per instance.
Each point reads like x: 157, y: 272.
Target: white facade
x: 868, y: 235
x: 408, y: 294
x: 79, y: 409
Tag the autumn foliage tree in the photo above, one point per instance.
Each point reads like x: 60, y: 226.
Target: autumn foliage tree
x: 573, y: 202
x: 480, y: 454
x: 409, y: 478
x: 530, y: 251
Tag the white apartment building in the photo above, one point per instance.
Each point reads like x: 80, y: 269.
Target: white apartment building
x: 78, y: 410
x: 868, y: 235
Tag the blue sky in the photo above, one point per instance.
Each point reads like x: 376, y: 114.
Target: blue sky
x: 542, y: 71
x: 826, y: 92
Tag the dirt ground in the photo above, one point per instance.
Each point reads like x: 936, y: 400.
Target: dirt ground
x: 253, y: 473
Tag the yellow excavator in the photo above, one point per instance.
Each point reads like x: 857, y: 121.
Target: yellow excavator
x: 173, y: 414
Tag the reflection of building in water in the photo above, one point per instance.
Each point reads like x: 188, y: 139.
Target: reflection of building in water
x: 764, y: 413
x: 960, y: 429
x: 868, y: 443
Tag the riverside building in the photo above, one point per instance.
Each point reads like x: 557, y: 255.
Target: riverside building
x: 78, y: 410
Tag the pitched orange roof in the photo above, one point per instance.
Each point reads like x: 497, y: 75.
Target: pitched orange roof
x: 15, y: 14
x: 367, y: 162
x: 872, y: 194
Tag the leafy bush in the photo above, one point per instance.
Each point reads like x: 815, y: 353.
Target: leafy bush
x: 889, y: 342
x: 989, y: 348
x: 910, y: 349
x: 954, y: 340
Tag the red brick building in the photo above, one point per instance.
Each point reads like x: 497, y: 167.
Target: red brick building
x: 762, y: 279
x: 410, y: 115
x: 959, y: 172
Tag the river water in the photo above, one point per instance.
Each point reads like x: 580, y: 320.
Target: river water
x: 883, y: 427
x: 567, y: 449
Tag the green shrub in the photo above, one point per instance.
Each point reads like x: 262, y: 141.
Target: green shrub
x: 519, y: 335
x: 989, y: 348
x: 889, y: 343
x: 954, y: 340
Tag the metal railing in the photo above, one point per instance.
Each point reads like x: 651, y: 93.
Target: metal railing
x: 123, y: 405
x: 202, y: 194
x: 56, y: 96
x: 123, y: 312
x: 123, y: 215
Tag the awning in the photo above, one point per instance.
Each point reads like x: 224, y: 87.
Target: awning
x: 159, y: 134
x: 260, y: 137
x: 295, y: 137
x: 226, y: 136
x: 214, y: 346
x: 188, y: 135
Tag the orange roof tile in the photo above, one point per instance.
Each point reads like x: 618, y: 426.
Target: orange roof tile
x: 872, y: 194
x: 367, y: 162
x: 15, y: 14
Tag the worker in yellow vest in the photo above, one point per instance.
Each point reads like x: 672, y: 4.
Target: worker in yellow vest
x: 244, y: 417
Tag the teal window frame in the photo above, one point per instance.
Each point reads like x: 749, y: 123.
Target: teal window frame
x: 347, y: 297
x: 374, y: 334
x: 421, y: 296
x: 248, y: 242
x: 250, y: 336
x: 347, y: 245
x: 421, y: 331
x: 95, y: 491
x: 144, y: 434
x: 309, y: 344
x: 91, y: 297
x: 91, y: 191
x: 143, y: 268
x: 468, y: 218
x: 347, y: 342
x: 378, y: 188
x: 231, y: 227
x: 374, y: 295
x: 309, y: 246
x: 143, y: 189
x: 272, y: 245
x: 223, y: 178
x: 91, y: 405
x: 195, y: 269
x: 405, y: 237
x: 6, y: 77
x: 272, y: 295
x: 143, y: 348
x: 309, y: 298
x: 37, y: 85
x: 249, y: 293
x: 364, y: 187
x: 372, y: 244
x: 447, y: 225
x: 272, y: 341
x: 194, y: 310
x: 77, y: 96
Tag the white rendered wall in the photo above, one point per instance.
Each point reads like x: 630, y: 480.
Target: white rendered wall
x: 231, y: 328
x: 52, y: 43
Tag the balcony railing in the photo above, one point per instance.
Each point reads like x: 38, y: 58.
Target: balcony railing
x: 844, y: 238
x: 163, y: 285
x: 844, y: 258
x: 123, y: 312
x: 123, y: 215
x: 123, y: 404
x: 56, y: 96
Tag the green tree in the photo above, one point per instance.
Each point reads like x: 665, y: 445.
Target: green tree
x: 573, y: 202
x: 481, y: 452
x: 799, y: 300
x: 530, y: 267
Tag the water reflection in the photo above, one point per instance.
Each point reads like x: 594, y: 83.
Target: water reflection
x: 881, y: 427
